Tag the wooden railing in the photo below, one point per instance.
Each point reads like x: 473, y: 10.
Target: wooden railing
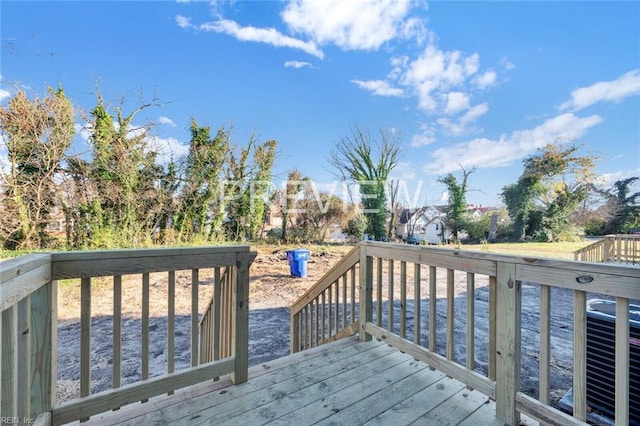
x: 612, y: 248
x: 28, y: 336
x: 328, y: 311
x: 28, y: 298
x: 407, y: 297
x: 215, y: 327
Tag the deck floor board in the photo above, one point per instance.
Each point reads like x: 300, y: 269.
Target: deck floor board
x: 345, y: 382
x: 319, y: 393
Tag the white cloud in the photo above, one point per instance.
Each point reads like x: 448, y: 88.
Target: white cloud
x: 166, y: 120
x: 506, y: 63
x: 351, y: 25
x: 430, y: 65
x: 399, y: 64
x: 403, y: 171
x: 608, y: 179
x: 415, y: 28
x: 5, y: 165
x: 379, y: 87
x: 425, y: 137
x: 183, y: 21
x: 167, y: 148
x: 487, y: 153
x: 476, y: 112
x: 433, y: 75
x: 456, y: 102
x: 4, y: 95
x: 297, y: 64
x: 261, y: 35
x: 611, y: 91
x: 487, y: 79
x: 462, y: 125
x: 471, y: 64
x: 84, y: 131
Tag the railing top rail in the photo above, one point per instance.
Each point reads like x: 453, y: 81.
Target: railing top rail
x: 421, y: 254
x: 22, y: 276
x: 624, y: 236
x: 121, y: 262
x: 11, y: 268
x: 590, y: 246
x: 146, y: 252
x: 347, y: 262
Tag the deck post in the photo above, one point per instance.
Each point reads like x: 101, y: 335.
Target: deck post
x: 43, y: 334
x: 366, y: 292
x: 508, y: 333
x: 608, y: 248
x: 240, y: 331
x: 295, y: 333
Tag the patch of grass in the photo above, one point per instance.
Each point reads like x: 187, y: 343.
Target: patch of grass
x: 563, y: 250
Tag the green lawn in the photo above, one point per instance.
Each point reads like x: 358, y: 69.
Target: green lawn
x: 552, y: 250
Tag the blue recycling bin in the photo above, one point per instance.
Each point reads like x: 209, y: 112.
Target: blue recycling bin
x: 298, y: 262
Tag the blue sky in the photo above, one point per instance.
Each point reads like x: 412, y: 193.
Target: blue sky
x: 477, y: 84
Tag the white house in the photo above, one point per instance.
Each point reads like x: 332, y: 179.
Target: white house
x: 426, y: 224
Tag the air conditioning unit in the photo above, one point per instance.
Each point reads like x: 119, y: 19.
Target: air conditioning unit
x: 601, y: 332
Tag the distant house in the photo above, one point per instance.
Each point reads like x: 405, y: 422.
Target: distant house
x: 56, y: 223
x: 426, y: 224
x: 477, y: 211
x: 273, y: 218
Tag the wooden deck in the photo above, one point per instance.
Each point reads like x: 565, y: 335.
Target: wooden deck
x: 346, y: 382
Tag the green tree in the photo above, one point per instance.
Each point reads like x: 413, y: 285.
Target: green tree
x: 168, y: 188
x: 247, y: 188
x: 201, y: 209
x: 294, y: 185
x: 457, y: 203
x: 123, y: 173
x: 356, y: 226
x: 520, y: 200
x: 395, y: 209
x: 368, y: 160
x: 156, y: 189
x: 553, y: 184
x: 317, y: 212
x: 37, y: 134
x: 478, y: 229
x: 80, y: 203
x: 622, y: 207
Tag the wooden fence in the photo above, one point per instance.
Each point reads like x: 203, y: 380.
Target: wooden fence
x: 28, y: 332
x: 612, y: 248
x: 394, y: 282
